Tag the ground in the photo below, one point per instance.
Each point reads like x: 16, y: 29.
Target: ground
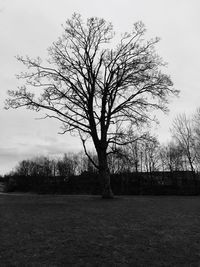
x: 88, y: 231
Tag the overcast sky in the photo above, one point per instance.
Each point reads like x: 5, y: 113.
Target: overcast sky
x: 29, y: 27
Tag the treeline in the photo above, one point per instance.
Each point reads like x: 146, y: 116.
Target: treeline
x: 74, y: 174
x: 141, y: 167
x: 181, y: 153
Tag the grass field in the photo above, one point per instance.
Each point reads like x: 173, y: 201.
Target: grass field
x: 88, y: 231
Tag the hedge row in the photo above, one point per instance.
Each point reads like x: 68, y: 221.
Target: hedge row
x: 158, y: 183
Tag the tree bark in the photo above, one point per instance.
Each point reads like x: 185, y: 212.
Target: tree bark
x: 104, y: 175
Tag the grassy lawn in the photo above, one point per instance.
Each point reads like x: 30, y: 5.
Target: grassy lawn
x: 88, y: 231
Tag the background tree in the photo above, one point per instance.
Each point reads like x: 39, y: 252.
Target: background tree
x: 93, y: 88
x: 136, y: 154
x: 38, y: 166
x: 196, y: 132
x: 24, y: 168
x: 171, y: 157
x: 150, y: 154
x: 183, y: 133
x: 68, y: 165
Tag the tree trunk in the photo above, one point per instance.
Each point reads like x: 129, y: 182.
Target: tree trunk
x: 106, y: 187
x: 104, y: 174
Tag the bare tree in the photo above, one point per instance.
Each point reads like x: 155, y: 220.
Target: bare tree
x: 23, y: 168
x: 196, y: 132
x: 150, y: 151
x: 171, y: 157
x: 133, y: 155
x: 68, y: 165
x: 183, y: 133
x: 41, y: 166
x: 94, y: 89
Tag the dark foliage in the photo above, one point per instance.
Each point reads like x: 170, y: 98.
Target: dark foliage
x: 156, y: 183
